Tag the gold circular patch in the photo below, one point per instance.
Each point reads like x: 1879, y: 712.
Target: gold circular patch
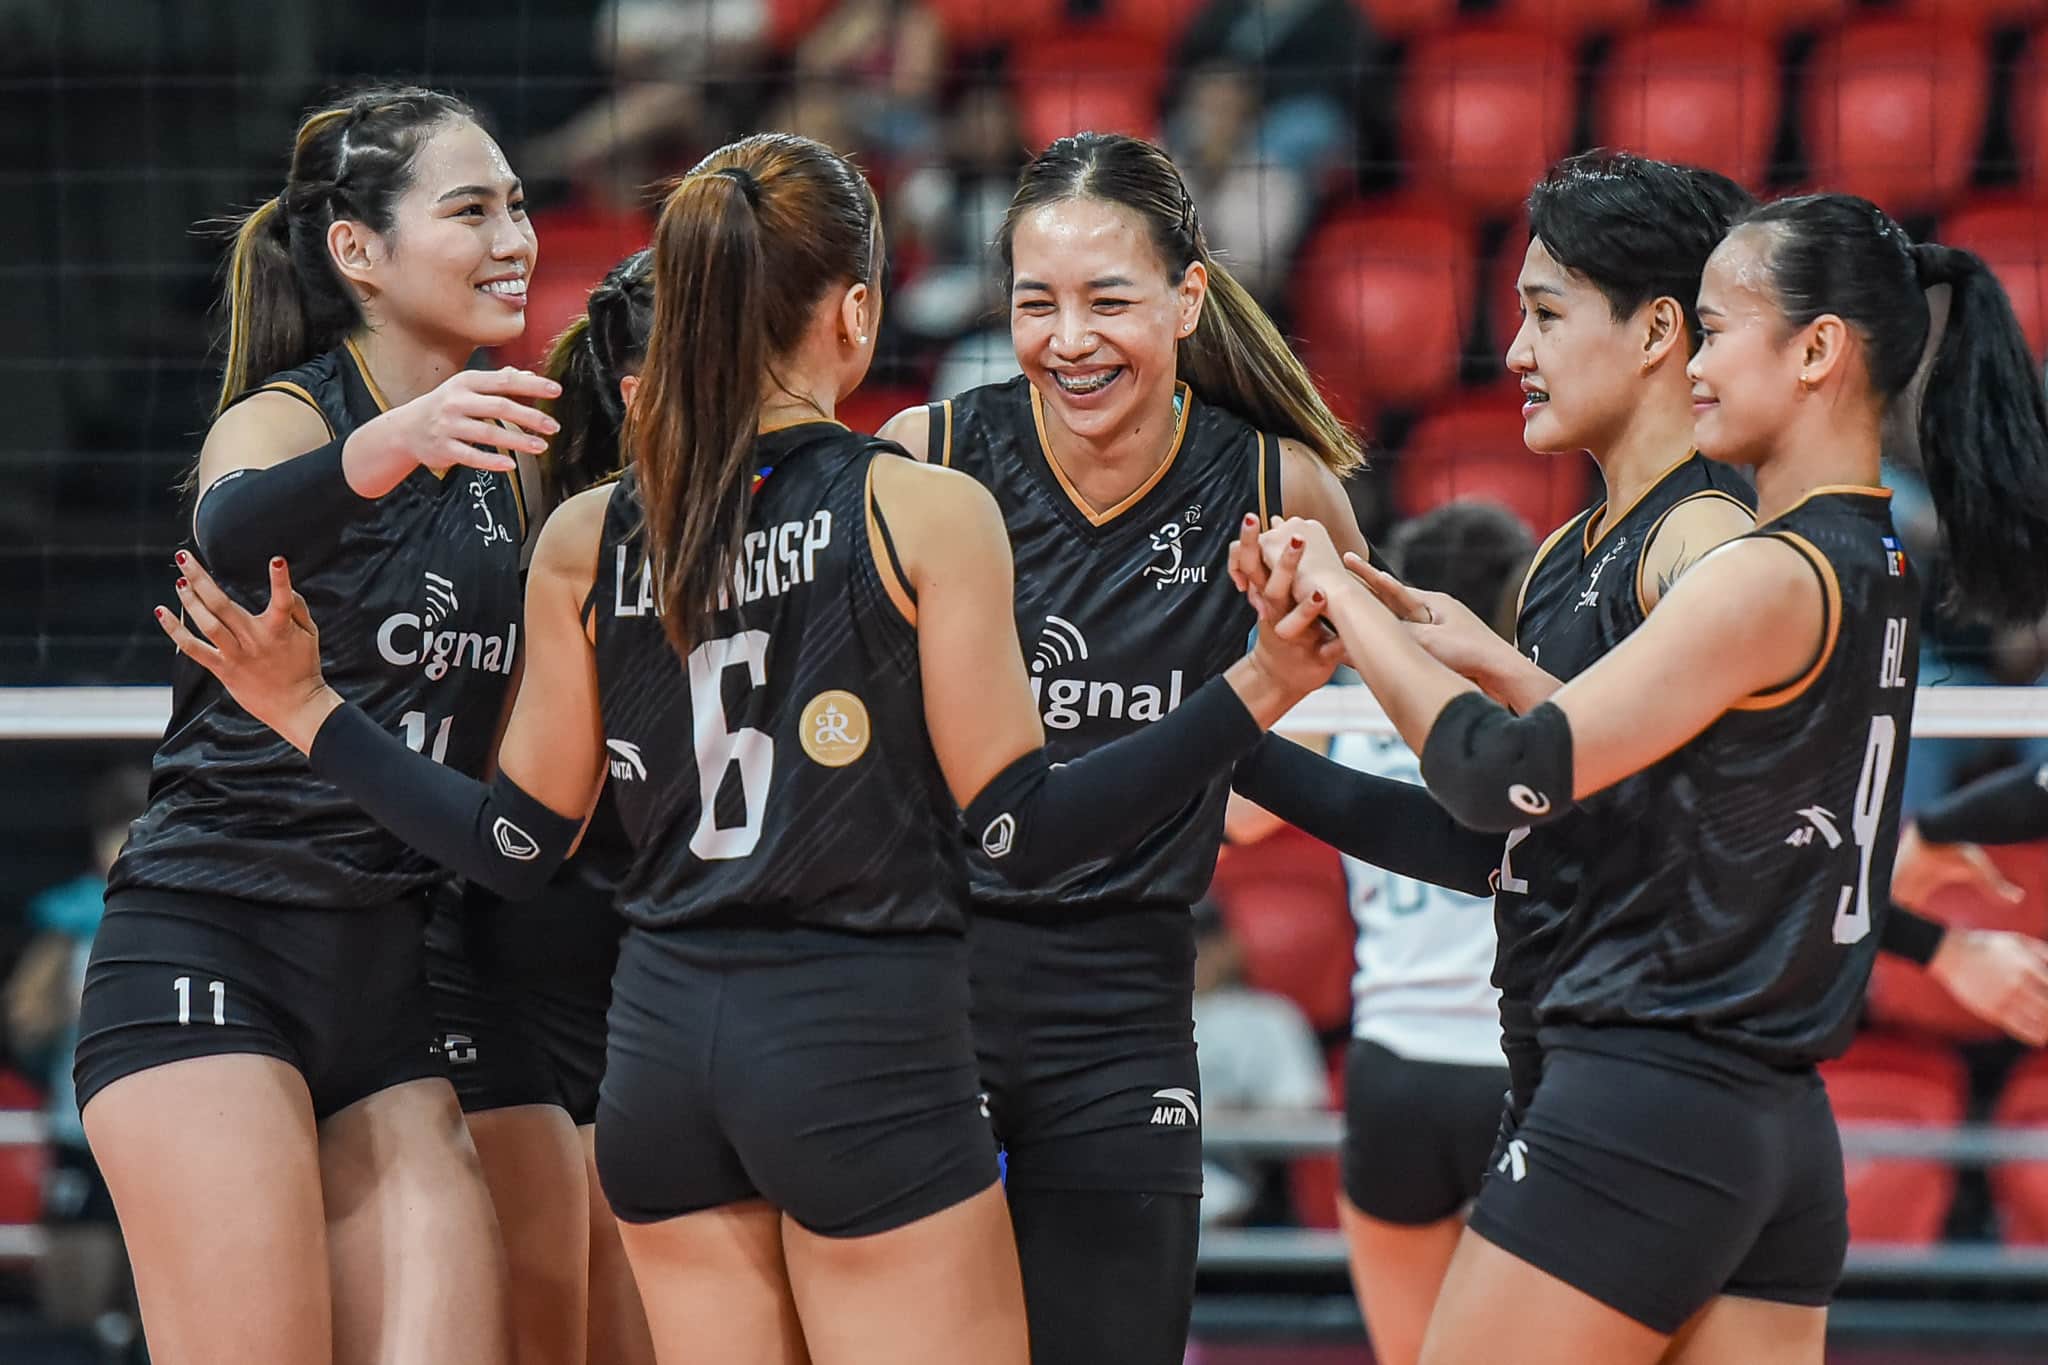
x: 835, y: 728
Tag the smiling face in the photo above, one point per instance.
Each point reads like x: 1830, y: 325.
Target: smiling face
x: 454, y: 267
x: 1096, y: 316
x: 1746, y: 377
x: 1579, y: 367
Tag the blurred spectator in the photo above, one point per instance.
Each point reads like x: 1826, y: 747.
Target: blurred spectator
x: 945, y: 213
x: 680, y: 69
x: 865, y: 81
x: 1267, y: 110
x: 82, y: 1279
x: 1256, y: 1052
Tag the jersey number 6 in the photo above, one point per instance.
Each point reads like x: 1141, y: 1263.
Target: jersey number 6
x: 718, y: 747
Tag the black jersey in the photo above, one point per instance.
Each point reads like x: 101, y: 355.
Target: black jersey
x: 1121, y: 613
x: 1583, y: 596
x: 784, y: 775
x: 419, y: 611
x: 1743, y: 901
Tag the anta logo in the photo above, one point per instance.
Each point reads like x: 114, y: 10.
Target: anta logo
x: 1169, y: 542
x: 1591, y: 596
x: 408, y: 638
x: 1068, y: 701
x: 487, y: 521
x: 1514, y: 1161
x: 1819, y: 820
x: 1179, y: 1111
x: 627, y: 765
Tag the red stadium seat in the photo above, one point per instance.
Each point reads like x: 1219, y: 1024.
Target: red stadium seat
x: 1285, y: 903
x: 790, y: 20
x: 1887, y: 1079
x: 867, y: 408
x: 1381, y: 297
x: 1103, y: 81
x: 1576, y: 18
x: 1406, y: 18
x: 1484, y: 111
x: 1894, y: 111
x: 2020, y: 1188
x: 21, y: 1167
x: 1903, y: 996
x: 1982, y: 12
x: 578, y: 247
x: 1472, y: 448
x: 1772, y: 17
x: 1695, y: 94
x: 2012, y: 237
x: 986, y: 23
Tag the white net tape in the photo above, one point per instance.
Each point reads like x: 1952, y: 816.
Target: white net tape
x: 141, y: 713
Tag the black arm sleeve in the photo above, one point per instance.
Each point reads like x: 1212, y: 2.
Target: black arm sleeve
x: 1394, y: 825
x: 2009, y: 807
x: 1915, y: 938
x: 296, y: 509
x: 496, y: 835
x: 1495, y: 770
x: 1036, y: 820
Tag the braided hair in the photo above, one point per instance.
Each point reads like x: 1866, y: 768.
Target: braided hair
x: 603, y: 345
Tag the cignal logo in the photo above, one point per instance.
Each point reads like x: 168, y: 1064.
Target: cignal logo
x: 1065, y: 701
x: 414, y: 639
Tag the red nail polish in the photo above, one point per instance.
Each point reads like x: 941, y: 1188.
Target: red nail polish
x: 159, y: 612
x: 1294, y: 542
x: 1316, y: 597
x: 277, y: 563
x: 183, y: 584
x: 181, y: 556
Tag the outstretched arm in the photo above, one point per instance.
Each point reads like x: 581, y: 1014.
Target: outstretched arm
x: 1706, y: 651
x: 510, y: 834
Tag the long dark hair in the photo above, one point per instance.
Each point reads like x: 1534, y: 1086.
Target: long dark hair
x: 1983, y: 421
x: 1635, y: 228
x: 749, y: 241
x: 1235, y: 358
x: 605, y: 343
x: 285, y: 301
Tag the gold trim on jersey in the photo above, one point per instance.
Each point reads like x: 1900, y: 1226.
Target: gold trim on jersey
x: 299, y: 392
x: 946, y: 435
x: 369, y: 381
x: 1542, y: 553
x: 1643, y: 552
x: 1136, y: 495
x: 878, y: 550
x: 1861, y: 490
x: 1609, y: 523
x: 803, y: 422
x: 1831, y: 592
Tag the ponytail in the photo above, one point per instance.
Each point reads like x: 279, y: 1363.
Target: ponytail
x: 707, y: 360
x: 1237, y: 359
x: 1983, y: 433
x: 266, y: 318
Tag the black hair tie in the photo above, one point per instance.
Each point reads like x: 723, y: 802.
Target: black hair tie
x: 744, y: 178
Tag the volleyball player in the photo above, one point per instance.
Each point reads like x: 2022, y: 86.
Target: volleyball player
x: 520, y: 989
x: 789, y: 1123
x: 1678, y: 1171
x: 1157, y: 406
x: 1607, y: 289
x: 257, y: 1063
